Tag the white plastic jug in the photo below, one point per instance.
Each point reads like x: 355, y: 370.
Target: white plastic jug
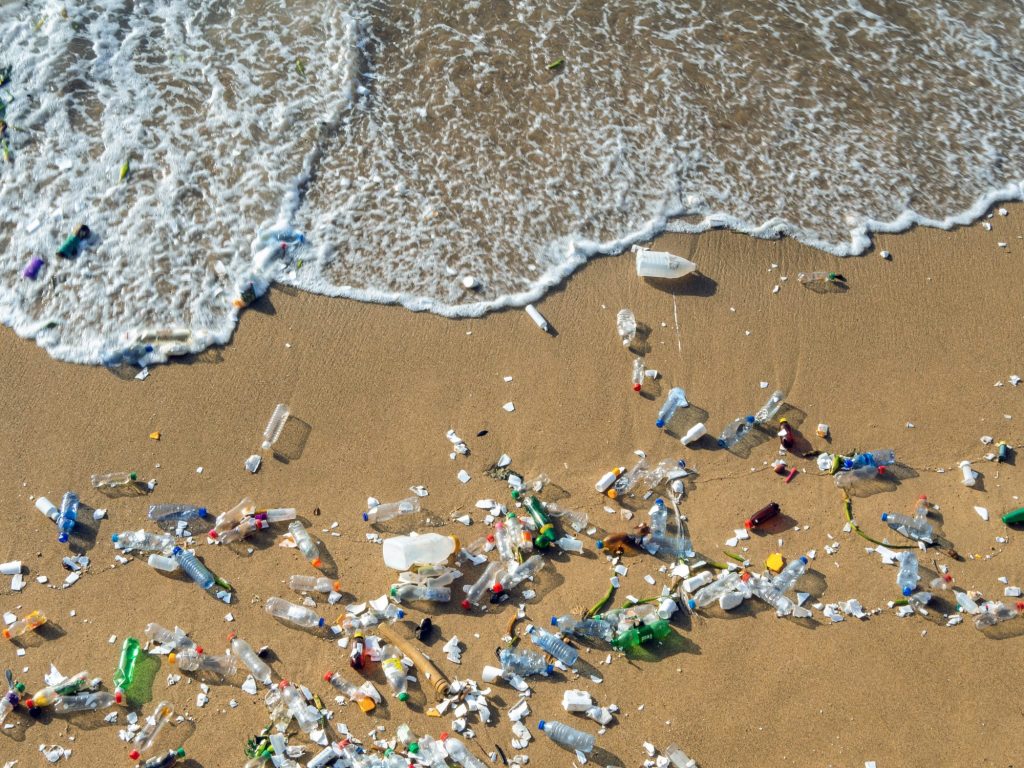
x: 662, y: 264
x: 403, y: 552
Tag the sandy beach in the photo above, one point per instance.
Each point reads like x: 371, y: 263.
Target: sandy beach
x: 916, y: 356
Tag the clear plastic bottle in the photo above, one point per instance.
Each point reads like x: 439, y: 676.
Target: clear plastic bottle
x: 142, y: 540
x: 520, y: 573
x: 966, y: 603
x: 478, y: 588
x: 820, y: 277
x: 306, y: 716
x: 275, y: 426
x: 523, y: 662
x: 83, y: 702
x: 67, y: 517
x: 909, y: 573
x: 628, y: 480
x: 313, y: 584
x: 553, y: 646
x: 305, y: 542
x: 771, y: 408
x: 735, y: 431
x: 567, y: 736
x: 354, y: 692
x: 176, y: 638
x: 195, y: 570
x: 406, y: 593
x: 403, y: 552
x: 996, y: 613
x: 674, y: 400
x: 593, y: 628
x: 393, y: 509
x: 113, y: 479
x: 521, y: 538
x: 637, y: 377
x: 850, y: 478
x: 394, y: 671
x: 503, y: 542
x: 460, y: 753
x: 167, y: 516
x: 44, y: 697
x: 789, y: 575
x: 261, y: 671
x: 911, y: 527
x: 24, y: 625
x: 276, y: 514
x: 298, y: 615
x: 371, y: 618
x: 729, y: 582
x: 625, y: 324
x: 151, y: 728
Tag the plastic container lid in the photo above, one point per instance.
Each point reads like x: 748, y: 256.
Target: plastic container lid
x: 885, y: 516
x: 691, y: 603
x: 466, y: 605
x: 554, y: 621
x: 803, y: 559
x: 600, y: 545
x: 366, y: 517
x: 541, y: 724
x: 328, y: 676
x: 402, y: 697
x: 203, y: 514
x: 907, y: 591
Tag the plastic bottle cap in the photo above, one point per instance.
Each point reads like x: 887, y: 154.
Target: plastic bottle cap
x: 885, y: 516
x: 170, y: 660
x: 328, y: 676
x: 465, y: 605
x: 402, y: 697
x: 882, y: 470
x: 134, y: 754
x: 115, y: 537
x: 199, y: 649
x: 118, y: 696
x: 322, y: 622
x: 178, y: 550
x: 202, y: 513
x: 600, y: 545
x: 922, y: 497
x: 554, y: 621
x: 444, y: 736
x: 659, y: 423
x: 62, y: 538
x: 549, y: 669
x: 400, y: 613
x: 394, y: 591
x: 366, y: 517
x: 803, y: 559
x: 316, y: 563
x: 213, y: 534
x: 907, y: 591
x: 133, y: 476
x: 30, y: 704
x: 180, y: 752
x: 497, y: 589
x: 541, y: 724
x: 691, y: 604
x: 637, y: 387
x: 748, y: 524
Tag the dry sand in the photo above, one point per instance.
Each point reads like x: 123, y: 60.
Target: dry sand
x: 920, y: 339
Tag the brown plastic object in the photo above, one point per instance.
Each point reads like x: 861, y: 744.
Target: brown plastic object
x: 439, y: 684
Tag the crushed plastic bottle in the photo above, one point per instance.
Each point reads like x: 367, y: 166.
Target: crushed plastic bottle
x: 307, y: 717
x: 851, y: 478
x: 908, y: 574
x: 124, y: 676
x: 404, y: 593
x: 113, y: 479
x: 371, y: 618
x: 996, y: 613
x: 167, y: 516
x: 879, y: 458
x: 393, y: 509
x: 576, y: 519
x: 145, y: 738
x: 728, y: 582
x: 298, y: 615
x: 305, y: 542
x: 789, y: 575
x: 175, y: 639
x: 518, y: 574
x: 625, y: 324
x: 523, y: 662
x: 24, y: 625
x: 44, y: 697
x: 83, y: 702
x: 10, y: 699
x: 275, y: 426
x: 354, y: 692
x: 195, y: 570
x: 142, y: 540
x: 735, y: 431
x: 553, y: 646
x: 162, y: 563
x: 192, y: 661
x: 232, y: 517
x: 589, y: 627
x: 678, y: 758
x: 674, y: 400
x: 911, y: 527
x: 243, y: 530
x: 567, y: 736
x: 487, y: 579
x: 460, y: 753
x: 772, y: 595
x: 313, y: 584
x: 394, y: 671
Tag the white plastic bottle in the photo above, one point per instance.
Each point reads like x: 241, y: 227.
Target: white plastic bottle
x: 694, y: 433
x: 970, y: 476
x: 661, y: 264
x: 275, y: 426
x: 625, y: 323
x: 382, y: 512
x: 403, y: 552
x: 567, y: 736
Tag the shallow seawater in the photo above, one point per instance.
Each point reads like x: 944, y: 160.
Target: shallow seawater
x: 385, y: 150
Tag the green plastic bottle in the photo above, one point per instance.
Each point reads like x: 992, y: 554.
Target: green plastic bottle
x: 125, y: 674
x: 1016, y: 516
x: 631, y: 638
x: 545, y: 530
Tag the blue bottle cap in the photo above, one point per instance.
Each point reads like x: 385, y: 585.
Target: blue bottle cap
x: 177, y: 551
x: 549, y: 669
x: 600, y: 545
x: 321, y: 622
x: 115, y: 537
x: 885, y: 516
x: 401, y: 613
x: 907, y: 591
x: 803, y: 559
x: 202, y: 513
x: 659, y: 424
x: 541, y: 724
x: 554, y: 621
x: 62, y: 538
x: 691, y: 603
x: 366, y: 517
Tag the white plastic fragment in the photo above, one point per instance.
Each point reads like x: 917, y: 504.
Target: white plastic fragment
x: 252, y: 464
x: 509, y: 406
x: 982, y: 513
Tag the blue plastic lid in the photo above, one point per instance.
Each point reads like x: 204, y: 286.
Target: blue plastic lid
x: 659, y: 424
x: 803, y: 559
x: 885, y: 516
x: 541, y: 724
x: 550, y: 668
x: 691, y: 603
x: 401, y: 613
x: 554, y: 621
x: 62, y: 538
x: 115, y: 537
x: 177, y: 550
x: 750, y: 419
x: 203, y: 514
x: 907, y: 591
x: 366, y: 517
x: 600, y: 545
x: 322, y: 622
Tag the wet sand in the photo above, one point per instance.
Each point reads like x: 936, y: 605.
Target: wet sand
x: 921, y: 339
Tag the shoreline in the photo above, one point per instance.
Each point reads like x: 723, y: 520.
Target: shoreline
x: 911, y: 341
